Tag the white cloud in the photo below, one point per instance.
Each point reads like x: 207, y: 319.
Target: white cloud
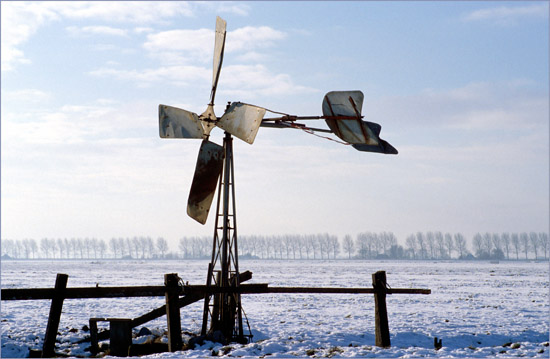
x: 26, y: 96
x: 66, y: 125
x: 141, y: 30
x: 120, y: 11
x: 177, y: 46
x: 231, y: 7
x: 492, y: 153
x: 97, y: 30
x: 176, y: 75
x: 249, y: 38
x: 21, y: 20
x: 240, y: 8
x: 189, y: 47
x: 475, y: 106
x: 251, y: 56
x: 505, y: 15
x: 104, y: 47
x: 253, y: 81
x: 243, y: 82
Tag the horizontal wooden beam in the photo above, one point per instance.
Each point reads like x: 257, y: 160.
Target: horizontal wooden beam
x: 84, y: 292
x: 188, y: 290
x: 329, y: 290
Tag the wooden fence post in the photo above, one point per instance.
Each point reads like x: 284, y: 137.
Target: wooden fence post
x: 381, y: 327
x: 120, y: 337
x: 94, y: 346
x: 48, y: 348
x: 173, y: 312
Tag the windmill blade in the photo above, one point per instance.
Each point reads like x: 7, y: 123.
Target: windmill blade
x: 219, y: 45
x: 207, y: 171
x: 242, y: 121
x: 177, y: 123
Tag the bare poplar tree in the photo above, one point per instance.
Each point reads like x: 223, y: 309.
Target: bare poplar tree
x: 460, y: 244
x: 412, y: 244
x: 488, y: 243
x: 34, y: 247
x: 287, y: 242
x: 477, y: 243
x: 430, y: 243
x: 389, y: 240
x: 113, y: 246
x: 421, y: 241
x: 524, y: 240
x: 505, y: 239
x: 295, y: 240
x: 45, y: 247
x: 80, y: 246
x: 150, y: 247
x: 60, y: 247
x: 335, y: 245
x: 162, y: 246
x: 95, y: 246
x: 143, y: 246
x: 440, y: 244
x: 348, y: 245
x: 182, y: 246
x: 102, y: 247
x: 261, y: 246
x: 497, y: 242
x: 26, y: 248
x: 515, y: 242
x: 534, y: 242
x: 543, y: 237
x: 67, y: 244
x: 314, y: 245
x: 449, y: 245
x: 87, y: 246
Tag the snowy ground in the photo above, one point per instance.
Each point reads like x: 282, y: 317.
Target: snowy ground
x: 478, y: 309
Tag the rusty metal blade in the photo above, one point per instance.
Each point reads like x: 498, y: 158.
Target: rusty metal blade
x: 177, y: 123
x: 207, y: 171
x: 242, y: 121
x: 219, y: 45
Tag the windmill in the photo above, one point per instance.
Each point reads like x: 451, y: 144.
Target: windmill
x: 342, y: 114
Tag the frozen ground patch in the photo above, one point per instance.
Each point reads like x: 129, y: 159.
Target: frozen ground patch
x: 478, y: 309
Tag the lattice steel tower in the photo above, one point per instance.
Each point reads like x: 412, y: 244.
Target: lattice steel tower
x: 223, y: 310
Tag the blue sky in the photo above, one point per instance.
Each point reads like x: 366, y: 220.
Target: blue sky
x: 460, y: 89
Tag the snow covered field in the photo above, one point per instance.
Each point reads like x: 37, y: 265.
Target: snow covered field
x: 479, y: 309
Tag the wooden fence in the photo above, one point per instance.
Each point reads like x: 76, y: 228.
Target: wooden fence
x: 178, y: 296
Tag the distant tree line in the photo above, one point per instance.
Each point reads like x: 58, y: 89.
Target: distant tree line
x: 292, y: 246
x: 365, y: 245
x: 85, y: 248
